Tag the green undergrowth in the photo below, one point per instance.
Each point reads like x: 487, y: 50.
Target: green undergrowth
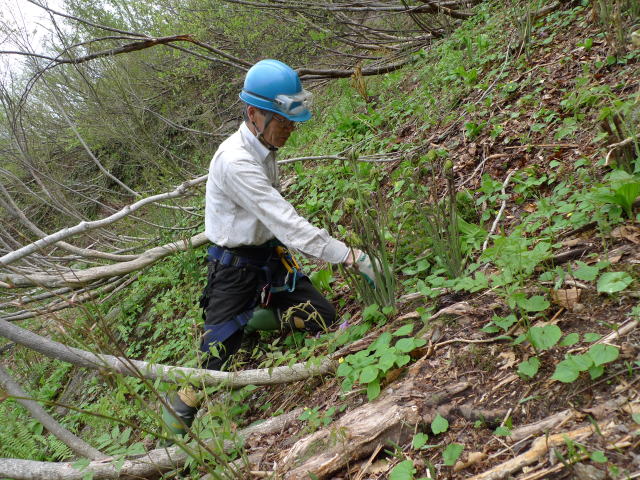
x: 474, y: 85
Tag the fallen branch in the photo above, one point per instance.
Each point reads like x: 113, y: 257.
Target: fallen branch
x: 76, y: 444
x: 76, y: 278
x: 538, y: 449
x: 84, y: 227
x: 72, y: 300
x: 153, y: 463
x: 541, y: 426
x: 167, y: 373
x: 502, y: 207
x: 614, y: 146
x: 391, y: 418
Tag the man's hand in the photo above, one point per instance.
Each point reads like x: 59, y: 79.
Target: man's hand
x: 361, y: 263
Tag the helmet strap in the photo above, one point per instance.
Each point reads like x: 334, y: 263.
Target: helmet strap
x: 268, y: 116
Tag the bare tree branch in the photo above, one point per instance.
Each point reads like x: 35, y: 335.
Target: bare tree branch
x: 167, y: 373
x: 149, y: 465
x: 81, y: 277
x: 75, y: 443
x: 83, y: 227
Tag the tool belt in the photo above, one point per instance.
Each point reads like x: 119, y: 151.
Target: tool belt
x: 261, y: 257
x: 264, y: 258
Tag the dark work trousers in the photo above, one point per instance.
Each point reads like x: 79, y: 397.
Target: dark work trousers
x: 232, y: 290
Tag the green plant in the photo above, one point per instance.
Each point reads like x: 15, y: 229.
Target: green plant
x: 612, y: 282
x: 368, y: 367
x: 315, y: 419
x: 441, y: 221
x: 593, y: 361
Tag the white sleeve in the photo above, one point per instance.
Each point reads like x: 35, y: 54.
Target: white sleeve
x: 245, y: 182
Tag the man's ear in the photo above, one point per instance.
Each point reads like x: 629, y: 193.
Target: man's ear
x: 251, y: 113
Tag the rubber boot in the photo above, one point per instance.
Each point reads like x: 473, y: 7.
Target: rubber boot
x: 185, y: 404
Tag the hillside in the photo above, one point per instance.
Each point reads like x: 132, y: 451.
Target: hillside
x: 496, y: 177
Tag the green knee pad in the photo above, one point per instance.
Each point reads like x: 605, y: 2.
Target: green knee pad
x: 262, y: 319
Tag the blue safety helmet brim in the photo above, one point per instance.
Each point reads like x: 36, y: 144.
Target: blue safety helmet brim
x: 269, y: 79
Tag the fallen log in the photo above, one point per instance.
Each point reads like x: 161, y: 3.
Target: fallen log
x: 539, y: 448
x: 391, y: 418
x: 151, y: 464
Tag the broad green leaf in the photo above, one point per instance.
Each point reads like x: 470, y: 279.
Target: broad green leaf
x: 566, y: 372
x: 403, y: 471
x: 405, y: 345
x: 601, y: 353
x: 344, y: 369
x: 387, y: 360
x: 599, y: 457
x: 586, y: 273
x: 626, y: 195
x: 402, y: 360
x: 347, y: 384
x: 322, y: 279
x: 419, y: 440
x: 569, y: 340
x: 382, y: 341
x: 404, y: 330
x: 452, y: 453
x: 502, y: 431
x: 529, y: 368
x: 490, y: 328
x: 439, y: 425
x: 372, y: 312
x: 612, y: 282
x: 596, y: 372
x: 582, y: 362
x: 636, y: 418
x: 505, y: 322
x: 373, y: 390
x: 537, y: 303
x: 545, y: 337
x: 369, y: 374
x: 592, y: 337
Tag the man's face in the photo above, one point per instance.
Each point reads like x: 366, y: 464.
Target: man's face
x: 279, y: 129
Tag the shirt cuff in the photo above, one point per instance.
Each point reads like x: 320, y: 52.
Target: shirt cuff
x: 335, y: 251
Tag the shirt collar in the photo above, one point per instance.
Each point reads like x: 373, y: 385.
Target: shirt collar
x: 253, y: 143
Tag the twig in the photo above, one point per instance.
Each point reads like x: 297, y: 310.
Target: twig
x: 544, y: 145
x: 615, y: 146
x: 363, y: 470
x: 481, y: 164
x: 539, y: 448
x: 76, y: 444
x: 502, y: 207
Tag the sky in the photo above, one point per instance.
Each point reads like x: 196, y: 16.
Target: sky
x: 28, y: 18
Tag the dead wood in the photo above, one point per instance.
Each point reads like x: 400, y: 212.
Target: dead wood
x: 76, y: 278
x: 541, y: 426
x: 148, y: 465
x: 167, y: 373
x: 538, y: 449
x: 75, y: 443
x: 391, y: 418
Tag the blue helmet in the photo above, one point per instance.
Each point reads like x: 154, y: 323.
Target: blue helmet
x: 274, y: 86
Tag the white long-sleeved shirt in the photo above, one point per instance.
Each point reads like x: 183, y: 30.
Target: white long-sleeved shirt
x: 243, y: 206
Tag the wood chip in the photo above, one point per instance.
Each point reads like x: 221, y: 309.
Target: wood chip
x: 627, y: 232
x: 472, y: 459
x: 566, y: 298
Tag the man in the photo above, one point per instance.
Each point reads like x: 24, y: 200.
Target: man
x: 251, y: 225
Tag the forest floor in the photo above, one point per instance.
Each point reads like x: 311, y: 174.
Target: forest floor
x: 490, y: 393
x: 533, y: 376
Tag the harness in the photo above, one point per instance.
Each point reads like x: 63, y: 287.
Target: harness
x: 218, y: 333
x: 227, y: 257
